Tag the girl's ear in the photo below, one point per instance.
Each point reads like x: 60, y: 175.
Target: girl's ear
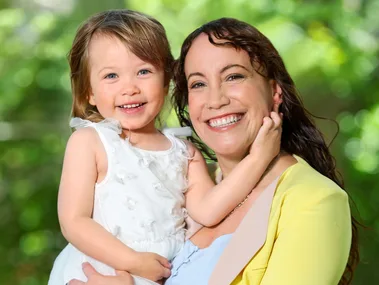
x: 91, y: 98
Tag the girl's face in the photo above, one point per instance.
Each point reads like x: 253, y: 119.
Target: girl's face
x: 227, y: 98
x: 123, y: 86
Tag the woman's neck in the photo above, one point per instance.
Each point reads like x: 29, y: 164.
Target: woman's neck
x: 227, y: 164
x: 276, y: 167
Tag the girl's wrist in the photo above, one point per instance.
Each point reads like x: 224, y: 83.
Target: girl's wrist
x: 131, y: 261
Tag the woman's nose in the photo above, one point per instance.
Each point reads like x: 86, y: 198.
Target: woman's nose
x: 217, y: 99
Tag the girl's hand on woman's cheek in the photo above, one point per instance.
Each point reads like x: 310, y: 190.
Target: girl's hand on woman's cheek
x: 267, y: 142
x: 95, y: 278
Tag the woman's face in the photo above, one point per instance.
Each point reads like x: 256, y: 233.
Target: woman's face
x: 227, y: 98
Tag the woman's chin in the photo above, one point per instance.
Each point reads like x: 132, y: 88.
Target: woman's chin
x: 229, y: 149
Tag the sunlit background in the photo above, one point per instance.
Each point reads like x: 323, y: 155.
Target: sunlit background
x: 330, y: 48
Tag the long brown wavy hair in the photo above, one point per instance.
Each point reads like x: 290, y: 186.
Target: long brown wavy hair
x: 300, y: 135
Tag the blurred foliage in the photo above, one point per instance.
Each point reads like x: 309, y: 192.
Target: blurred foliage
x: 330, y: 48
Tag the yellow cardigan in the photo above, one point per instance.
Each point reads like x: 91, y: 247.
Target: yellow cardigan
x: 309, y: 233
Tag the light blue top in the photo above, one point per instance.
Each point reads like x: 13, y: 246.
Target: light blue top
x: 194, y: 265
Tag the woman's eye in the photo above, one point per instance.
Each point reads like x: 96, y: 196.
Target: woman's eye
x: 197, y: 85
x: 234, y: 77
x: 111, y: 76
x: 144, y: 72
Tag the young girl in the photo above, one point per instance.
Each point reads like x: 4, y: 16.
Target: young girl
x: 124, y: 183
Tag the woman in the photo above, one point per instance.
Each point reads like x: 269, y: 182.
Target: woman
x: 295, y: 226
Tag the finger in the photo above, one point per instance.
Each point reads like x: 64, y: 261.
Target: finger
x: 276, y: 120
x: 166, y: 273
x: 164, y: 262
x: 127, y: 278
x: 276, y: 108
x: 267, y: 123
x: 89, y: 270
x: 122, y: 273
x: 75, y: 282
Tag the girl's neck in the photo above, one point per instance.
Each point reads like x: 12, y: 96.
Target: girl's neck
x: 152, y: 140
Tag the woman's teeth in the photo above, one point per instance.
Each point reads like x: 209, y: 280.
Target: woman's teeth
x: 225, y: 121
x: 129, y: 106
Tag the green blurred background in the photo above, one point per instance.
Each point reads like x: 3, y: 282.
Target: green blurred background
x: 330, y: 48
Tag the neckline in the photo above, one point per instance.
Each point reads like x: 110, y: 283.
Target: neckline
x: 229, y: 235
x: 156, y: 152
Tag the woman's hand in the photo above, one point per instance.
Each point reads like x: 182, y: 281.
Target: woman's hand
x: 95, y: 278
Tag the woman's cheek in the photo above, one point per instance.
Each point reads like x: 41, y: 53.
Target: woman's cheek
x: 239, y: 90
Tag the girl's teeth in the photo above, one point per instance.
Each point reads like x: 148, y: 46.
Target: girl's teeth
x: 131, y: 106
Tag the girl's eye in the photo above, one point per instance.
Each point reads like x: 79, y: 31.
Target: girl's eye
x: 111, y: 76
x: 197, y: 85
x: 234, y: 77
x: 144, y: 72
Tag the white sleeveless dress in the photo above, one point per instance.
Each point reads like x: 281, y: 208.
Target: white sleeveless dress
x: 140, y: 201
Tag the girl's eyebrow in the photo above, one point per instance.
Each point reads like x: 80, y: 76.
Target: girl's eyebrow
x: 105, y: 67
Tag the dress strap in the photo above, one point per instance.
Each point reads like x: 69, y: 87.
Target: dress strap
x: 178, y: 132
x: 108, y: 123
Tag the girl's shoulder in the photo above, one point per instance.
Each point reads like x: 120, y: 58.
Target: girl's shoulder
x: 91, y: 136
x: 83, y: 138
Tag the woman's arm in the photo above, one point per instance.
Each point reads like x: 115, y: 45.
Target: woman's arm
x: 313, y: 242
x: 208, y: 203
x: 95, y: 278
x: 75, y: 205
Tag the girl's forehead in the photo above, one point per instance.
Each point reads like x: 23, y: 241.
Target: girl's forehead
x: 110, y: 51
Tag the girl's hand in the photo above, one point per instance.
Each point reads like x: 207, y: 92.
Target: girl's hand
x: 267, y: 142
x: 95, y: 278
x: 151, y: 266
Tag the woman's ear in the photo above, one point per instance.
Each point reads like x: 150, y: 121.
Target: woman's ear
x: 276, y: 94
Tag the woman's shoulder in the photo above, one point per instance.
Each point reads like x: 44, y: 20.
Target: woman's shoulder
x: 301, y: 182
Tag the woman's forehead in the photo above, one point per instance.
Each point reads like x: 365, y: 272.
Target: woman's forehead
x: 203, y: 55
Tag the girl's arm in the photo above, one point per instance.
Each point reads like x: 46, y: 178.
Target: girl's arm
x: 75, y: 205
x: 208, y: 203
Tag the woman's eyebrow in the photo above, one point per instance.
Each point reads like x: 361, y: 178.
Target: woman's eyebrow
x: 195, y: 74
x: 225, y: 68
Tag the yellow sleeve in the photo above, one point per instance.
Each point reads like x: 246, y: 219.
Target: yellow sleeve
x: 313, y: 240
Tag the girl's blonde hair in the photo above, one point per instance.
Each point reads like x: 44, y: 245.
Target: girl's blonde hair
x: 142, y: 34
